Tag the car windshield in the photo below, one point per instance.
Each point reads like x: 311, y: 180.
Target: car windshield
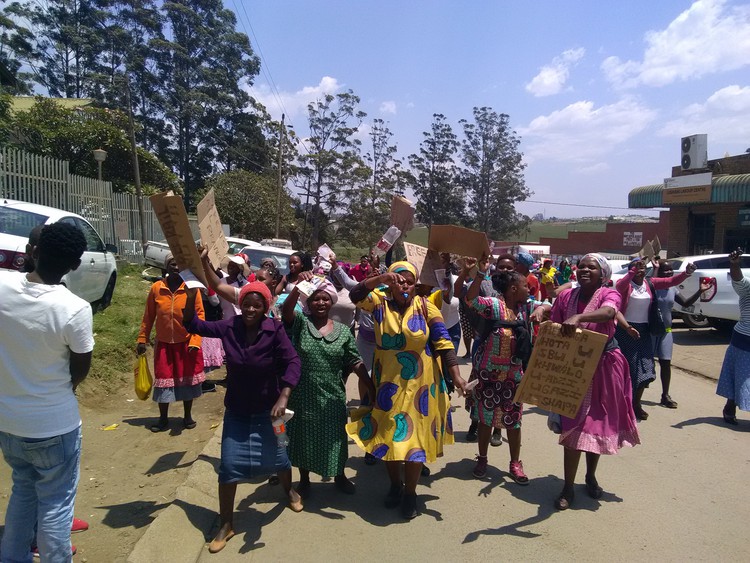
x: 18, y: 222
x: 258, y: 254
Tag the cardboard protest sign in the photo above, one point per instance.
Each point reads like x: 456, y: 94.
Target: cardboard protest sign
x: 426, y: 261
x: 402, y: 213
x: 560, y: 369
x: 209, y: 225
x: 458, y: 240
x: 647, y: 251
x: 173, y: 219
x: 656, y: 245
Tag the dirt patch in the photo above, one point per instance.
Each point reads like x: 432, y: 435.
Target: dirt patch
x: 129, y: 474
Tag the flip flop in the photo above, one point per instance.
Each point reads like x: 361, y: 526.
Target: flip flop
x: 217, y: 545
x: 160, y: 426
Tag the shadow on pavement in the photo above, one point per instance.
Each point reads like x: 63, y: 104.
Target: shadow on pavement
x: 701, y: 337
x: 175, y: 424
x: 713, y: 421
x: 541, y: 491
x: 135, y: 514
x: 167, y: 462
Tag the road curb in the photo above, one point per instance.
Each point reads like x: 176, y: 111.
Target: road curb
x: 179, y: 531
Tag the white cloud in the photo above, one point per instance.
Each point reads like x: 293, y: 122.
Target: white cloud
x: 294, y: 103
x: 552, y: 77
x: 582, y: 133
x: 388, y: 106
x: 724, y: 116
x: 706, y: 38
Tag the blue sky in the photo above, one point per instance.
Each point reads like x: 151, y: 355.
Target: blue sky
x: 599, y: 92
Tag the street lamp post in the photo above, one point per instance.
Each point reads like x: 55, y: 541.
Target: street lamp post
x: 100, y: 155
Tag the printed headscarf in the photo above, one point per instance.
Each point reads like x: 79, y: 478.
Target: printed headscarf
x: 526, y: 259
x: 603, y: 265
x: 329, y: 288
x: 403, y: 266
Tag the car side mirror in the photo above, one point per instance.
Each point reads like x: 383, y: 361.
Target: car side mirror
x: 111, y: 248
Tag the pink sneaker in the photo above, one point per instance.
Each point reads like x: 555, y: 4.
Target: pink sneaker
x: 517, y: 474
x: 79, y: 526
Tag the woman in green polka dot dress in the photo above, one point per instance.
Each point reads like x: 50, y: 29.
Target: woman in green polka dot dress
x: 317, y: 432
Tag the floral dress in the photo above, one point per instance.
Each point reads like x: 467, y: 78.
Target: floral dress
x: 411, y: 419
x: 491, y: 401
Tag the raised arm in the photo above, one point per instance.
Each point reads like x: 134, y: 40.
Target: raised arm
x: 362, y: 289
x: 735, y: 270
x: 223, y: 290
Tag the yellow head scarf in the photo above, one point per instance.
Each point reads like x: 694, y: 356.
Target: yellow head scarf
x: 403, y: 266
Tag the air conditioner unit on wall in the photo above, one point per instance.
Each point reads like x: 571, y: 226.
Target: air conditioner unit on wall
x: 694, y: 152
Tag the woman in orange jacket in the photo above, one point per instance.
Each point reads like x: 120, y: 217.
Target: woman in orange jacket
x: 178, y: 360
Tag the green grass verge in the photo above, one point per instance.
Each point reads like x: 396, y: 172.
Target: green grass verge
x: 116, y: 328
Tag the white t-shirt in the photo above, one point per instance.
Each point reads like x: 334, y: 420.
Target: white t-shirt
x: 638, y: 304
x: 450, y: 312
x: 41, y: 325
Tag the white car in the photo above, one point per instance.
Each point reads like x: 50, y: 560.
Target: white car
x: 237, y: 244
x: 719, y: 305
x: 279, y: 255
x: 95, y: 278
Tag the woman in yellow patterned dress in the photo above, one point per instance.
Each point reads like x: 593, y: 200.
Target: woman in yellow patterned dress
x: 410, y: 420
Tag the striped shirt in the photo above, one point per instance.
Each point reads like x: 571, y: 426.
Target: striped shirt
x: 742, y: 288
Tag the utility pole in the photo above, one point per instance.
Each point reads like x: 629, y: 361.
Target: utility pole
x: 280, y: 187
x: 136, y: 168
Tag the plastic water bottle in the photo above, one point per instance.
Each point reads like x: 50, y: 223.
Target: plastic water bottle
x: 279, y: 428
x: 387, y: 240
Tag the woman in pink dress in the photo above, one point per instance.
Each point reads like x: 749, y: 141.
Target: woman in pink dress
x: 606, y: 421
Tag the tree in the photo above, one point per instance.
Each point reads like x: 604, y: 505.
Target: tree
x: 202, y: 65
x: 493, y: 173
x: 333, y: 153
x: 52, y: 130
x: 16, y: 50
x: 67, y: 42
x: 247, y: 202
x: 368, y: 213
x: 435, y: 177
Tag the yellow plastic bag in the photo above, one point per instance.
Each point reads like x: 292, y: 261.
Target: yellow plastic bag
x: 143, y: 379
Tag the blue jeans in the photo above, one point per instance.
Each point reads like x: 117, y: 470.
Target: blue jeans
x: 45, y: 479
x: 455, y: 333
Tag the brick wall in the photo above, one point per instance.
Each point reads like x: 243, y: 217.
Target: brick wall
x: 612, y: 239
x: 725, y: 217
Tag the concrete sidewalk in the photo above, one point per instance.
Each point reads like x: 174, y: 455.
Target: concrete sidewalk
x: 462, y: 517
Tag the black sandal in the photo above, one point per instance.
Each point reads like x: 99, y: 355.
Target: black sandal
x: 189, y: 425
x: 593, y: 488
x: 564, y: 501
x: 161, y: 426
x: 730, y: 418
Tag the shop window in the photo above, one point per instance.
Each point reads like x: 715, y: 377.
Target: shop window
x: 702, y: 228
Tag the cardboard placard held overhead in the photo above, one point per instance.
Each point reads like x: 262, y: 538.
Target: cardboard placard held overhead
x: 173, y: 219
x: 402, y: 214
x: 560, y: 369
x: 459, y: 240
x: 656, y: 244
x: 426, y: 261
x: 647, y: 251
x: 209, y: 225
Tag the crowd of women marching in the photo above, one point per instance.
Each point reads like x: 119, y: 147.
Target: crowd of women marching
x: 290, y: 342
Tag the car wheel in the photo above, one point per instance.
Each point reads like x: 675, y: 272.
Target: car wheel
x: 696, y: 321
x: 108, y: 292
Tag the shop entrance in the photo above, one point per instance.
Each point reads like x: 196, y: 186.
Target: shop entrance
x: 735, y: 238
x: 701, y: 231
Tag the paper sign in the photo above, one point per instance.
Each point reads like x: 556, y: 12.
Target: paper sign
x: 209, y: 225
x: 426, y: 262
x: 560, y: 369
x: 458, y: 240
x: 324, y: 251
x: 440, y: 277
x: 170, y: 211
x: 402, y: 213
x: 190, y: 280
x: 307, y: 288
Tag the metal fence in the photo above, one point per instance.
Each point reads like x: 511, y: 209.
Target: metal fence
x: 46, y: 181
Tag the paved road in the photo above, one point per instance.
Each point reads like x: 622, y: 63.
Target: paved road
x: 681, y: 495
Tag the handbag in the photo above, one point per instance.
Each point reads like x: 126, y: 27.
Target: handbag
x: 143, y: 379
x: 656, y: 324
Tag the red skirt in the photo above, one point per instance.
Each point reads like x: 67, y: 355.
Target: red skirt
x: 176, y: 366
